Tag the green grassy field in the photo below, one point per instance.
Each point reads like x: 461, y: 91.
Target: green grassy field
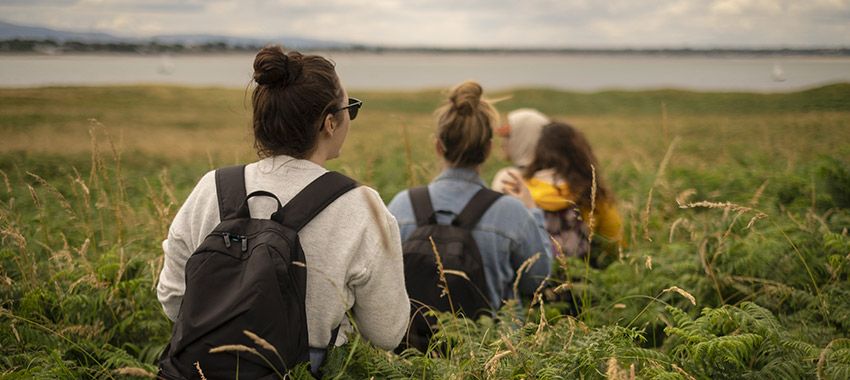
x: 741, y: 201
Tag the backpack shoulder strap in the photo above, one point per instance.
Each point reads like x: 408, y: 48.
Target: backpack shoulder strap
x: 314, y: 198
x: 230, y: 189
x: 423, y: 210
x: 477, y: 206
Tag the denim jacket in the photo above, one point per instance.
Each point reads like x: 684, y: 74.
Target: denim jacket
x: 507, y: 234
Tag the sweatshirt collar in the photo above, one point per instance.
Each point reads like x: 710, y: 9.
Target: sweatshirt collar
x: 460, y: 174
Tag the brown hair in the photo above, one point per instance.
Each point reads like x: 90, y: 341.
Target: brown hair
x: 293, y: 95
x: 465, y: 125
x: 565, y: 150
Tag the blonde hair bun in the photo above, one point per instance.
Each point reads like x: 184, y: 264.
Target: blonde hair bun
x: 466, y: 97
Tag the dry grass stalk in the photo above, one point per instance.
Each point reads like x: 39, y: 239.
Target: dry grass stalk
x: 563, y: 287
x: 613, y: 370
x: 493, y: 364
x: 200, y: 372
x: 162, y: 209
x: 558, y: 248
x: 659, y: 175
x: 259, y: 341
x: 591, y: 217
x: 703, y: 256
x: 673, y: 227
x: 134, y: 371
x: 619, y: 306
x: 679, y: 370
x: 682, y: 292
x: 234, y: 348
x: 508, y: 344
x: 543, y: 322
x: 684, y: 195
x: 755, y: 199
x: 34, y: 196
x: 51, y: 189
x: 11, y: 232
x: 458, y: 273
x: 823, y: 354
x: 6, y: 182
x: 263, y: 343
x: 444, y: 284
x: 89, y: 279
x: 728, y: 207
x: 648, y: 262
x: 15, y: 331
x: 524, y: 268
x: 538, y: 292
x: 645, y: 216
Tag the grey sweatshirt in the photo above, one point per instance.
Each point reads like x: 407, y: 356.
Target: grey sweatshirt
x: 352, y: 248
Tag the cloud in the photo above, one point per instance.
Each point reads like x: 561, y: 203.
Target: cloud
x: 545, y: 23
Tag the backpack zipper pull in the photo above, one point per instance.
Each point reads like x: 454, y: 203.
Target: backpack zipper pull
x: 226, y: 239
x: 244, y: 244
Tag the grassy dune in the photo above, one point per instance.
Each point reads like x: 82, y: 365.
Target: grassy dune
x: 737, y: 200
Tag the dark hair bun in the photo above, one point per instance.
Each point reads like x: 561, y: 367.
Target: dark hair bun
x: 465, y: 97
x: 273, y: 67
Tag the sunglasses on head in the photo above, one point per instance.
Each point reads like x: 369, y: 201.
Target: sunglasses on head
x: 353, y: 107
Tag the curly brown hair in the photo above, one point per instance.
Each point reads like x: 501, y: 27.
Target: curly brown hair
x: 565, y: 150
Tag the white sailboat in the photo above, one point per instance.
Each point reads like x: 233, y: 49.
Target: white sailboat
x: 166, y: 65
x: 777, y: 74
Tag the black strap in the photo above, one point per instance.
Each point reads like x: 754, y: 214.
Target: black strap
x: 334, y: 333
x: 476, y: 207
x: 230, y: 188
x: 423, y: 211
x: 313, y: 199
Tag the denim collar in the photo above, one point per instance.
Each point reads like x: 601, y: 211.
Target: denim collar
x: 460, y: 174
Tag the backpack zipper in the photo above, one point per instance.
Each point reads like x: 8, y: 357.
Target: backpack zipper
x: 229, y: 238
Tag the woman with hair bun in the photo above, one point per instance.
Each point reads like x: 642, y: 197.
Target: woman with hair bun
x: 301, y: 116
x: 510, y: 232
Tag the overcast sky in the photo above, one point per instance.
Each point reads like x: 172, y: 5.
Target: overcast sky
x: 453, y: 23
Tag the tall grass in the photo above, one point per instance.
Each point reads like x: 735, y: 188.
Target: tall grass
x: 736, y: 219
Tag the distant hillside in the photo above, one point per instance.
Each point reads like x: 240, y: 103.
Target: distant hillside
x: 11, y: 31
x: 29, y: 36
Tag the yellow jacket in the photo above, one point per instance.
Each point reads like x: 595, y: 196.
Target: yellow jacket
x: 549, y: 197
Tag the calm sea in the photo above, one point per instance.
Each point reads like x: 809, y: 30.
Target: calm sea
x: 409, y: 71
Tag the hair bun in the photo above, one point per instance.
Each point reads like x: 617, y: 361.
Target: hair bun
x: 273, y: 67
x: 466, y: 97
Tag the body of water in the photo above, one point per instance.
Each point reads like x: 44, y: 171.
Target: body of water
x: 413, y: 71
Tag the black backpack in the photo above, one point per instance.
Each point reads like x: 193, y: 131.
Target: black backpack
x: 458, y: 253
x: 248, y: 274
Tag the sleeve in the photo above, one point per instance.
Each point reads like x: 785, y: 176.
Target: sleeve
x: 401, y: 208
x: 177, y: 248
x: 533, y: 240
x: 502, y: 175
x: 610, y: 223
x: 381, y: 306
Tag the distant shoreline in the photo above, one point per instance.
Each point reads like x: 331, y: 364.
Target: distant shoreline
x: 52, y: 47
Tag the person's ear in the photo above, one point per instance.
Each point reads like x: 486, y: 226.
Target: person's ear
x: 439, y: 148
x: 329, y: 125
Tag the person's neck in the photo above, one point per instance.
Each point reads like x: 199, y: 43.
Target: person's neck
x: 318, y: 157
x: 448, y: 165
